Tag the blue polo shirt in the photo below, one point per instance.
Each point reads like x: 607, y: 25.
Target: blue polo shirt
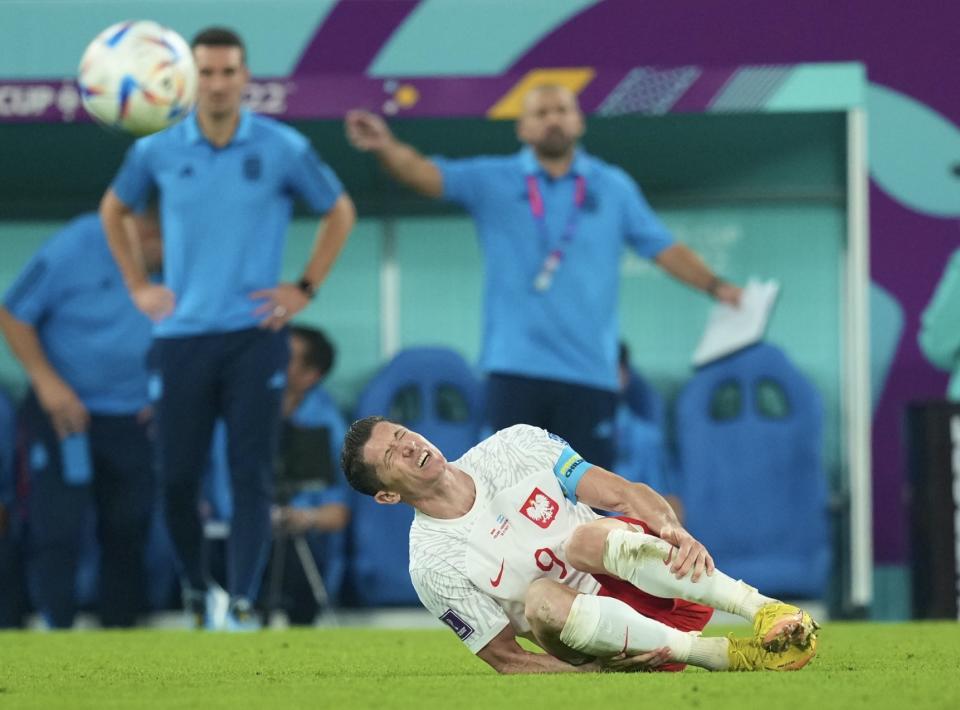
x: 225, y: 212
x: 570, y: 331
x: 72, y: 293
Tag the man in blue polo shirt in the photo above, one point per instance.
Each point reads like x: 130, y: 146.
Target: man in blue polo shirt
x: 83, y: 425
x: 227, y: 179
x: 552, y: 222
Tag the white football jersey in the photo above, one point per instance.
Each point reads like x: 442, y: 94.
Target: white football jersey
x: 473, y: 572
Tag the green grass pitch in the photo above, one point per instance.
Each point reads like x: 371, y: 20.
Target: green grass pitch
x: 860, y: 665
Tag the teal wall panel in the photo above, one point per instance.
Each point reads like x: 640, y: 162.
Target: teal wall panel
x: 797, y: 244
x: 441, y: 283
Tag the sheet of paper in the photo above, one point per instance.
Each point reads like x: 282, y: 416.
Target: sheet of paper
x: 730, y: 329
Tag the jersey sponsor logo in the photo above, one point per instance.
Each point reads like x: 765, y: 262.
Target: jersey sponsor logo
x: 186, y: 171
x: 460, y: 627
x: 495, y: 582
x: 540, y: 508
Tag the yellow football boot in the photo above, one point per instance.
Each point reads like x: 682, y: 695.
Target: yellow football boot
x: 746, y: 654
x: 777, y: 626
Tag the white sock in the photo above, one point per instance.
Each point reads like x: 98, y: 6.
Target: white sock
x: 604, y: 627
x: 710, y: 652
x: 639, y: 558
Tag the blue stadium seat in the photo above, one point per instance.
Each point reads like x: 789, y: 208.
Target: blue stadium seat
x: 434, y: 392
x: 750, y: 440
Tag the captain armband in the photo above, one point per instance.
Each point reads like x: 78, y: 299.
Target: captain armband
x: 569, y: 469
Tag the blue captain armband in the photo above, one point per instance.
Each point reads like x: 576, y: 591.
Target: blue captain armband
x: 569, y: 469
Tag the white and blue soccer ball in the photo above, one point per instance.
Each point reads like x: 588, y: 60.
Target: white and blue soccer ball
x: 138, y: 76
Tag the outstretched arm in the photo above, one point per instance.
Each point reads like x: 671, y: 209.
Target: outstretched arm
x: 370, y: 133
x: 685, y: 265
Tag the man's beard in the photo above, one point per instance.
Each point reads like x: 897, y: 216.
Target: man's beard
x: 555, y: 144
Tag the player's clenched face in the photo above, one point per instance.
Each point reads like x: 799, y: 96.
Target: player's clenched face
x: 551, y: 121
x: 406, y: 462
x: 222, y: 78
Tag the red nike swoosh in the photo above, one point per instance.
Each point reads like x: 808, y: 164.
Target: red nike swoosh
x: 496, y: 580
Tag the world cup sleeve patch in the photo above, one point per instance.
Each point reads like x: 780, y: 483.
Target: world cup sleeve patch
x: 568, y: 470
x: 461, y: 628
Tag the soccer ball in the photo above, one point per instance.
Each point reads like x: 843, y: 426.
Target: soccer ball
x: 138, y: 76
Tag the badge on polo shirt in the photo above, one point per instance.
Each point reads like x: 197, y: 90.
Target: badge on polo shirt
x: 252, y: 167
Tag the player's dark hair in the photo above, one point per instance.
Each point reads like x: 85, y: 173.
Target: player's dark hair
x: 319, y: 352
x: 361, y: 475
x: 219, y: 37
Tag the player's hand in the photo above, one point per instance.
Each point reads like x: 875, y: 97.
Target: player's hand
x: 728, y: 293
x: 688, y: 555
x: 623, y: 663
x: 279, y: 305
x: 60, y: 402
x: 294, y: 520
x: 154, y: 300
x: 367, y: 131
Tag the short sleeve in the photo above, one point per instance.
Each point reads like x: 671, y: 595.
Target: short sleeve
x: 472, y: 615
x: 643, y: 229
x: 462, y: 179
x: 36, y: 288
x: 313, y: 180
x: 134, y: 182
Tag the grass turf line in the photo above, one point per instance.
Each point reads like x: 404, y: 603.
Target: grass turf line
x: 860, y: 665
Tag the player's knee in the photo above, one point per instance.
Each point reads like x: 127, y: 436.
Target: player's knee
x: 584, y: 547
x: 546, y: 606
x: 626, y: 551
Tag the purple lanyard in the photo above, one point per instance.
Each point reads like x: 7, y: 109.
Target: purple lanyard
x: 554, y: 256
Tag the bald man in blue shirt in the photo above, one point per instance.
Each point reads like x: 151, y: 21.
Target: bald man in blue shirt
x: 227, y: 179
x: 83, y: 425
x: 552, y: 221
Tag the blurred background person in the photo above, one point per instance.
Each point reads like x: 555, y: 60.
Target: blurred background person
x: 553, y: 222
x: 643, y: 455
x: 227, y: 178
x: 83, y: 424
x: 12, y: 596
x: 312, y: 495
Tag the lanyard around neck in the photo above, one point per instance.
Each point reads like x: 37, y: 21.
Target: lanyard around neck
x: 554, y: 256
